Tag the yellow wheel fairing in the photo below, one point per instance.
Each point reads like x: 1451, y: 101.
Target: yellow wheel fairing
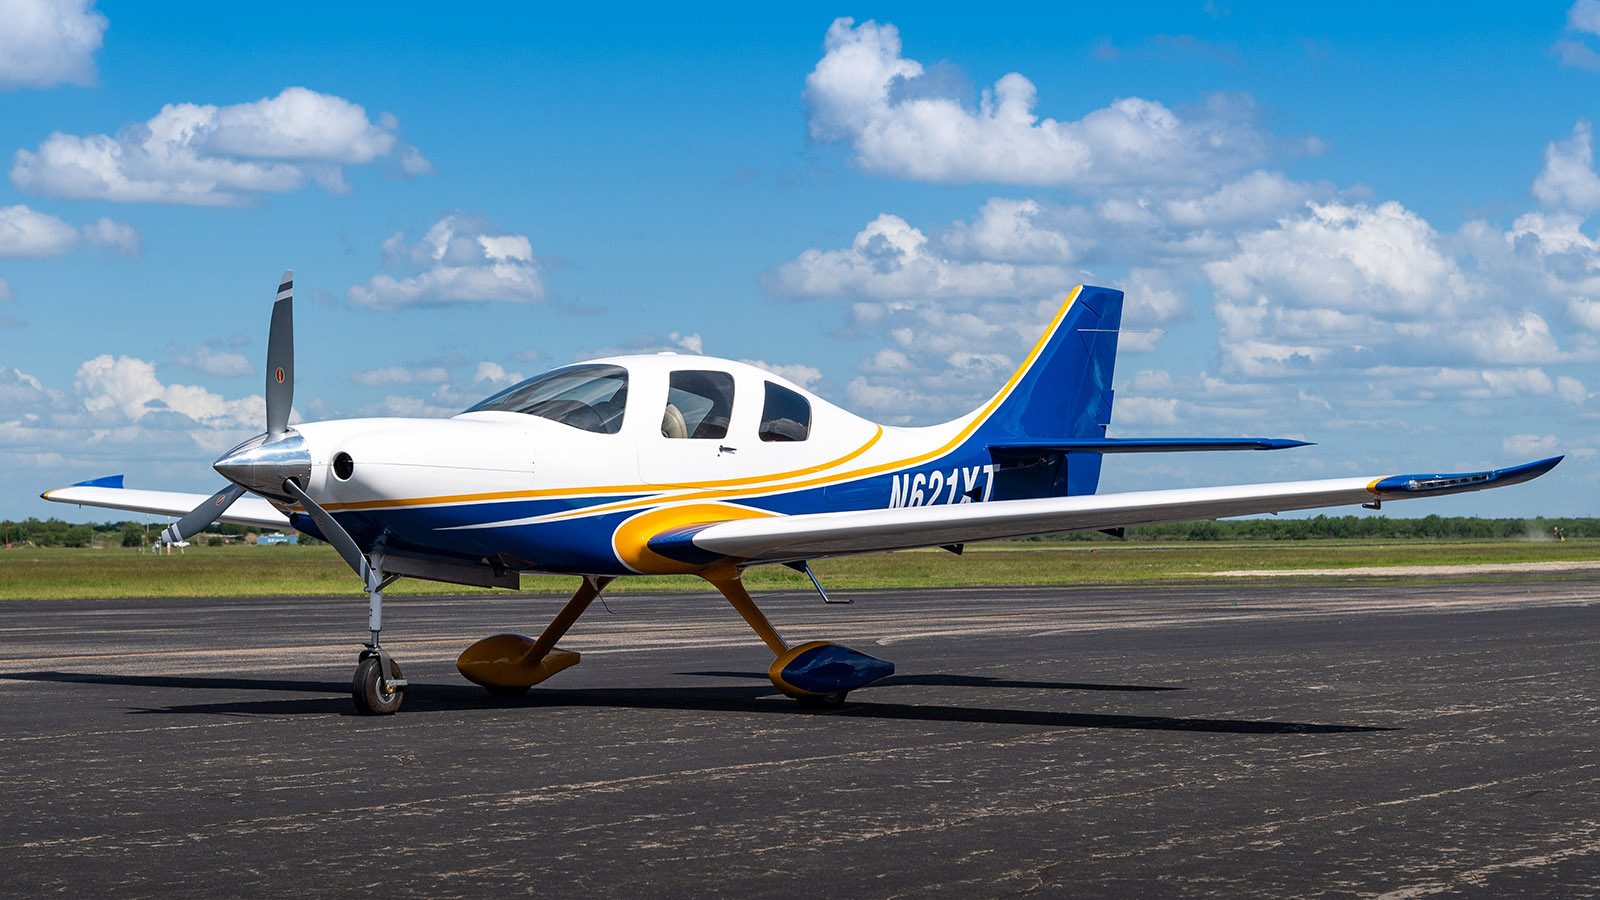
x: 501, y: 661
x: 631, y: 540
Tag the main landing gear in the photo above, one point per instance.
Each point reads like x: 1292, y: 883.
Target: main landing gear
x: 819, y: 674
x: 508, y: 664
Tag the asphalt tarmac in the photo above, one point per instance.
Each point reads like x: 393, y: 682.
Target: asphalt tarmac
x: 1387, y: 737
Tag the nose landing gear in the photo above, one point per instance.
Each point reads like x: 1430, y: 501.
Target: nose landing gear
x: 378, y: 686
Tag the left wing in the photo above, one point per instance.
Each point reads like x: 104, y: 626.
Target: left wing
x: 812, y: 535
x: 110, y: 494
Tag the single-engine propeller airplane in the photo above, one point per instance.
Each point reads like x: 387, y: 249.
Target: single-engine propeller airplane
x: 668, y: 464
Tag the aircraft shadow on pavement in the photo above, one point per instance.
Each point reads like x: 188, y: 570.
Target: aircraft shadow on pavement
x: 423, y: 698
x: 943, y: 680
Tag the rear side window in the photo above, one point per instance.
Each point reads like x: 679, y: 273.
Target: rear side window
x: 786, y: 416
x: 698, y: 405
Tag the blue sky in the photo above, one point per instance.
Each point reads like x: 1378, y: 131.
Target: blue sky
x: 1364, y: 226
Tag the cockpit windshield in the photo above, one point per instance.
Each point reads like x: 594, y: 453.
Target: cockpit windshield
x: 587, y: 397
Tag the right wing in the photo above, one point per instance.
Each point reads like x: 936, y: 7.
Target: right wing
x: 110, y: 494
x: 812, y: 535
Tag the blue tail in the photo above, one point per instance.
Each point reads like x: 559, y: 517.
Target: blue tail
x: 1061, y: 395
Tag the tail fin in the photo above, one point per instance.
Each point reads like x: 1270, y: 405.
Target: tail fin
x: 1063, y: 388
x: 1062, y: 392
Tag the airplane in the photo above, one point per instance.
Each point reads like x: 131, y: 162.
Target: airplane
x: 683, y: 464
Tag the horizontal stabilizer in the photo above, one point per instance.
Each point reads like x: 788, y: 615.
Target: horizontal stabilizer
x: 1034, y: 449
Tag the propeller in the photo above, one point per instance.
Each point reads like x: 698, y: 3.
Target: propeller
x: 280, y: 397
x: 280, y: 358
x: 337, y: 536
x: 195, y: 520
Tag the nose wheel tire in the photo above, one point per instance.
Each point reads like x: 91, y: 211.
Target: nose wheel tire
x: 372, y: 696
x: 823, y: 701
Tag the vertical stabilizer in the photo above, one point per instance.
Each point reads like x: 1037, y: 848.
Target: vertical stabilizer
x: 1062, y: 390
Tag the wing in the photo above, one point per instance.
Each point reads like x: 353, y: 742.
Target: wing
x: 809, y: 536
x: 109, y: 493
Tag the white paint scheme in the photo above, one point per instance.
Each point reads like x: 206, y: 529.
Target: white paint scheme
x: 468, y: 466
x: 484, y: 496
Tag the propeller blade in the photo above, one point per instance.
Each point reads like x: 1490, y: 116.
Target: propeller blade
x: 195, y: 520
x: 280, y: 358
x: 336, y: 535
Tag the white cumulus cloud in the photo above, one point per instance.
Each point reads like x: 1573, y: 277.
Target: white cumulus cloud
x: 891, y: 259
x: 207, y: 155
x: 28, y: 233
x: 463, y: 259
x: 1345, y: 284
x: 211, y: 360
x: 127, y: 388
x: 1584, y: 15
x: 1256, y: 198
x: 118, y: 237
x: 391, y: 375
x: 1568, y: 180
x: 1530, y: 444
x: 495, y: 375
x: 864, y: 92
x: 798, y: 373
x: 46, y: 42
x: 1344, y: 256
x: 1146, y: 410
x: 1012, y: 231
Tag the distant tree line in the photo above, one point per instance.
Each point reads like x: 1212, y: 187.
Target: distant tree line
x: 56, y: 533
x: 1356, y: 528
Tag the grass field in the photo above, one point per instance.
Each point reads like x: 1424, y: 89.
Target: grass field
x: 289, y: 571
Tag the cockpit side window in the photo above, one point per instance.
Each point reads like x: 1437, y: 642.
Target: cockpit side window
x: 699, y: 404
x: 592, y: 398
x: 786, y: 416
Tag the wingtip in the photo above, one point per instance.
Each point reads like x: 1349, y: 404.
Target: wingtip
x: 1539, y: 467
x: 1452, y: 483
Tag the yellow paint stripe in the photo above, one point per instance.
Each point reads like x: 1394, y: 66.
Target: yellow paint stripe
x: 609, y: 489
x: 771, y: 482
x: 496, y: 495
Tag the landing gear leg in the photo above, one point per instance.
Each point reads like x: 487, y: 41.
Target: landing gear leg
x: 819, y: 674
x: 378, y: 686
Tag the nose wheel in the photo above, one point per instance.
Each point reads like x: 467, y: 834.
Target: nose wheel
x: 378, y: 687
